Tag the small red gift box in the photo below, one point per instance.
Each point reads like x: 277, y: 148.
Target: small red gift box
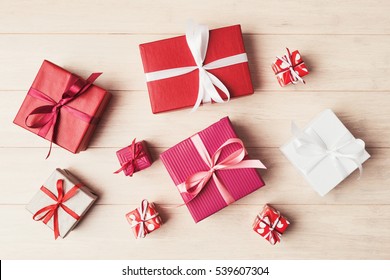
x: 144, y: 220
x: 211, y: 169
x: 62, y: 107
x: 290, y: 68
x: 201, y: 66
x: 134, y: 158
x: 270, y: 224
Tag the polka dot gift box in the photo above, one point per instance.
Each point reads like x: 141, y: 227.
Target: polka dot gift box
x: 270, y: 224
x: 144, y: 220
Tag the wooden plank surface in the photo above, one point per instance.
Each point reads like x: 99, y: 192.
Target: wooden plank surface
x: 345, y: 45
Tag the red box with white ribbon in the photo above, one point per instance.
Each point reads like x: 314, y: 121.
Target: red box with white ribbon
x: 201, y: 67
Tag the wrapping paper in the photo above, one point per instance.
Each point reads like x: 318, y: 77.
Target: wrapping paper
x: 292, y: 62
x: 73, y: 133
x: 270, y: 224
x: 183, y: 160
x: 134, y: 160
x: 144, y: 220
x: 182, y: 91
x: 79, y: 203
x: 334, y: 158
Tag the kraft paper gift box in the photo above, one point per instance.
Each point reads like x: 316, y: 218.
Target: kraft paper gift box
x: 290, y: 68
x: 270, y: 224
x: 62, y: 107
x: 61, y: 202
x: 175, y: 81
x: 325, y: 152
x: 211, y: 169
x: 134, y: 158
x: 144, y: 219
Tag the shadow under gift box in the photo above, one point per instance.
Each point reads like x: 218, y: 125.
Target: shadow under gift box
x: 183, y: 160
x: 72, y: 132
x: 182, y: 91
x: 80, y: 203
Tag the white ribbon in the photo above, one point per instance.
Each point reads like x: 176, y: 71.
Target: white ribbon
x: 286, y: 60
x: 197, y: 37
x: 143, y: 210
x: 310, y: 144
x: 271, y: 233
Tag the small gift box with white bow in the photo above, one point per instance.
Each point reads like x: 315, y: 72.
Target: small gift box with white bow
x: 325, y: 152
x: 290, y: 68
x: 201, y: 67
x: 270, y: 224
x: 144, y: 220
x: 134, y: 158
x: 61, y: 202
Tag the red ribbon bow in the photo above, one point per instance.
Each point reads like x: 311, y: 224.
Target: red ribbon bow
x: 136, y: 152
x: 49, y: 114
x: 196, y: 182
x: 52, y: 210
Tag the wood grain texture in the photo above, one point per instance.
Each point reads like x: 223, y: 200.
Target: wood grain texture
x: 345, y: 45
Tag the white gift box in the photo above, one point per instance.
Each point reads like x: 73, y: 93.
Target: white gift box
x: 325, y: 152
x: 79, y: 203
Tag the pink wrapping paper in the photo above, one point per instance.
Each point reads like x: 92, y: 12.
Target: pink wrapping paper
x: 183, y: 160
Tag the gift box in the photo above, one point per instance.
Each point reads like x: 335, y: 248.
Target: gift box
x: 62, y: 107
x: 325, y: 152
x: 144, y: 220
x: 202, y: 66
x: 61, y: 202
x: 134, y: 158
x: 290, y: 68
x: 270, y: 224
x: 212, y: 169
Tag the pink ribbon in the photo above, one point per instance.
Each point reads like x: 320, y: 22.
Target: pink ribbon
x: 198, y: 181
x: 48, y: 115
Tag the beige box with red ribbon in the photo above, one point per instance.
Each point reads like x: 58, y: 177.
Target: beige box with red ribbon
x: 61, y: 202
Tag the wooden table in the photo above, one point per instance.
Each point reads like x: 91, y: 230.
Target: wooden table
x: 346, y: 47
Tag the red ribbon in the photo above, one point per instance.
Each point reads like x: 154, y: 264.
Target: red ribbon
x: 196, y: 182
x: 52, y: 210
x: 48, y: 115
x: 136, y: 152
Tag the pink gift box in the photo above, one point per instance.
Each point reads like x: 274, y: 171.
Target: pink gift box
x: 184, y: 160
x: 142, y: 161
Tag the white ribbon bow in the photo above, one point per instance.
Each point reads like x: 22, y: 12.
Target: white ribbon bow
x: 197, y: 37
x: 272, y: 232
x: 286, y: 60
x: 143, y: 210
x: 311, y: 144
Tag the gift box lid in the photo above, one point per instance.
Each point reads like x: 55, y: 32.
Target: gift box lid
x: 183, y: 160
x: 79, y: 203
x: 182, y: 91
x: 322, y: 170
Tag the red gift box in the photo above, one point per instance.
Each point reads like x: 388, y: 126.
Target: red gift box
x: 170, y: 92
x: 144, y: 220
x: 270, y: 224
x: 134, y: 158
x: 290, y: 68
x: 62, y: 108
x: 211, y: 169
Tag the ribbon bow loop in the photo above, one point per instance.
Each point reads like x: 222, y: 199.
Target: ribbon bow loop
x: 51, y: 211
x: 144, y: 217
x: 136, y: 152
x: 288, y: 64
x: 195, y: 183
x: 310, y: 144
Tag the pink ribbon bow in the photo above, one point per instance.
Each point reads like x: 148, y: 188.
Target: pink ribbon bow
x: 196, y: 182
x: 48, y: 115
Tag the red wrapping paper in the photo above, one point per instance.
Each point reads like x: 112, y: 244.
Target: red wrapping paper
x: 150, y: 224
x: 181, y: 91
x: 282, y: 71
x: 73, y: 133
x: 184, y: 160
x: 143, y: 161
x: 266, y: 220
